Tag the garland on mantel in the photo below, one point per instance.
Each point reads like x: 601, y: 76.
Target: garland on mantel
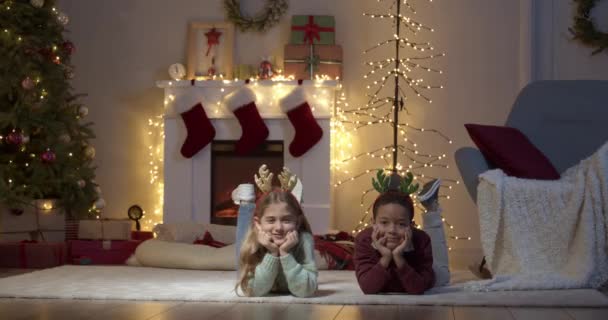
x: 584, y: 30
x: 262, y: 21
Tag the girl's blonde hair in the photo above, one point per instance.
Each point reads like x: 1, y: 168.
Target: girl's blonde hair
x: 252, y: 252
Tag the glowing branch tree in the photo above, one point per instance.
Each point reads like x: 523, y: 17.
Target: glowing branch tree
x: 394, y: 84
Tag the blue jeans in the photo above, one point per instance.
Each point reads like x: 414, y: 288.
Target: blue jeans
x: 243, y: 221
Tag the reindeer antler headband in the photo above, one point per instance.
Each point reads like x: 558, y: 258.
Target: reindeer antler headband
x: 289, y: 181
x: 405, y: 186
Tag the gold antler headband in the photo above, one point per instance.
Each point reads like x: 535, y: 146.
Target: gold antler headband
x: 289, y: 181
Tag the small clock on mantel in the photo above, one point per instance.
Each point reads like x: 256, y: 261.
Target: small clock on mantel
x: 177, y: 71
x: 135, y: 213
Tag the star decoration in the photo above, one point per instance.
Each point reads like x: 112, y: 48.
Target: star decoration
x: 213, y: 38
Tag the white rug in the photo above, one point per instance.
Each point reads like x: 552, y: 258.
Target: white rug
x: 335, y: 287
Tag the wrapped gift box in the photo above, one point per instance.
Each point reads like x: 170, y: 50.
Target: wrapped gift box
x: 101, y: 251
x: 105, y: 229
x: 313, y: 30
x: 41, y: 221
x: 324, y: 60
x: 28, y: 254
x: 142, y: 235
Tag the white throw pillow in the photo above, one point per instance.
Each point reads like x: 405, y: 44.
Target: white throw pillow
x: 165, y: 254
x: 188, y: 232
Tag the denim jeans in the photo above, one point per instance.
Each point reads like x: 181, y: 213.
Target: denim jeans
x: 243, y: 221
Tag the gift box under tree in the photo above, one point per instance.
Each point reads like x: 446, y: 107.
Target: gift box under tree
x: 32, y: 254
x: 313, y: 30
x: 306, y: 62
x: 101, y: 251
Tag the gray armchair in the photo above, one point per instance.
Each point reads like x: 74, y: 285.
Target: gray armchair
x: 566, y: 119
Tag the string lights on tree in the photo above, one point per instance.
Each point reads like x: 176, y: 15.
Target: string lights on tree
x: 394, y: 85
x: 44, y: 149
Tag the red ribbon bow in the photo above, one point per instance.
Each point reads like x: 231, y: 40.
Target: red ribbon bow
x: 312, y: 30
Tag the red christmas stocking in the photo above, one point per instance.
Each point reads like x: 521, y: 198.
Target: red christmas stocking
x: 254, y: 130
x: 308, y: 131
x: 200, y: 130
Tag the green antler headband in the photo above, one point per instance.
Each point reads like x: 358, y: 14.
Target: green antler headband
x: 405, y: 186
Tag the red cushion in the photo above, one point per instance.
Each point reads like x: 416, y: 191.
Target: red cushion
x: 510, y: 150
x: 208, y: 240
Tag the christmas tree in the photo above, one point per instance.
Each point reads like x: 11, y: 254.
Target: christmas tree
x: 395, y: 83
x: 44, y: 144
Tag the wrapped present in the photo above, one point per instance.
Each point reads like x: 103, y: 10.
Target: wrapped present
x: 42, y: 220
x: 105, y: 229
x: 142, y: 235
x: 32, y: 254
x: 313, y: 30
x: 101, y: 251
x: 306, y: 62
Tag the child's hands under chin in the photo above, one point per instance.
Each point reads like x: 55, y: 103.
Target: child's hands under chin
x: 266, y: 241
x: 404, y: 245
x: 379, y: 243
x: 291, y: 240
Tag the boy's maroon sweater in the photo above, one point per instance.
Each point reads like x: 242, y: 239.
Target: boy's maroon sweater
x: 415, y: 277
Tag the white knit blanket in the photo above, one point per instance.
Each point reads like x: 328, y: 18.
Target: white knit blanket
x: 546, y: 234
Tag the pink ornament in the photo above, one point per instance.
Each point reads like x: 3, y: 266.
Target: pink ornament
x: 48, y: 156
x: 27, y: 84
x: 15, y: 138
x: 68, y: 47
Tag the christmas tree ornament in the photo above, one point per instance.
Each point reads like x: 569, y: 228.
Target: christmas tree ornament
x: 68, y: 47
x: 83, y: 111
x: 14, y: 138
x: 308, y: 131
x: 81, y: 183
x: 48, y: 156
x: 254, y: 131
x: 97, y: 190
x: 26, y: 138
x: 65, y: 138
x: 63, y: 18
x: 37, y: 3
x: 100, y: 204
x: 266, y: 69
x: 135, y: 213
x: 199, y: 129
x: 56, y: 59
x: 89, y: 152
x: 177, y: 71
x: 27, y: 83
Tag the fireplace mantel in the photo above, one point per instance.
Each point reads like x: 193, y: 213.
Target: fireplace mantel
x: 187, y: 184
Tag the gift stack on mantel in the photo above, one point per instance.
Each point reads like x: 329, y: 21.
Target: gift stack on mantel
x: 40, y: 237
x: 312, y: 51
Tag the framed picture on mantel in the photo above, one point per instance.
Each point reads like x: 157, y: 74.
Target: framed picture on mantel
x: 210, y: 47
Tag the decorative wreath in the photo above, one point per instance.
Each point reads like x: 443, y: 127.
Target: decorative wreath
x: 584, y: 30
x: 262, y: 21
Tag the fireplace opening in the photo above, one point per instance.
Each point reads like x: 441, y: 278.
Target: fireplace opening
x: 228, y: 170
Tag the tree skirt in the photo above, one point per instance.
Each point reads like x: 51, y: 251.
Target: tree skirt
x: 335, y: 287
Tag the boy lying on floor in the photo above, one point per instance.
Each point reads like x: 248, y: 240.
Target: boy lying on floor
x: 392, y: 255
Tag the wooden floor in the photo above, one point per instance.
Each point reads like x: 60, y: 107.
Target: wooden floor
x: 48, y: 309
x: 118, y: 310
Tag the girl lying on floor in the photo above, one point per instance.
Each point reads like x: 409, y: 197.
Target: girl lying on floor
x: 277, y: 250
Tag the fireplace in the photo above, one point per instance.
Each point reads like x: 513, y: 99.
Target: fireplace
x: 228, y: 170
x: 188, y: 182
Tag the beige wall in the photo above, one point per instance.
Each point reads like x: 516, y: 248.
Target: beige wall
x: 124, y: 46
